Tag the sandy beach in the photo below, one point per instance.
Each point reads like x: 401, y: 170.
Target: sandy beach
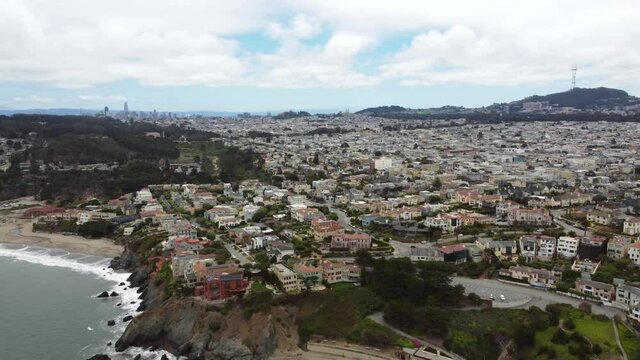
x: 15, y: 230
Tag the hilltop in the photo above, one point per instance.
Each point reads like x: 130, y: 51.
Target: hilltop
x: 583, y: 98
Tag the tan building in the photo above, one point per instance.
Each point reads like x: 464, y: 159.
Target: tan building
x: 287, y: 278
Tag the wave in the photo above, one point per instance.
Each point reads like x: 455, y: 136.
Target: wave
x: 96, y: 266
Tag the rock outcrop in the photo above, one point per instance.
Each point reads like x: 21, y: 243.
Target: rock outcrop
x: 183, y: 327
x: 103, y: 294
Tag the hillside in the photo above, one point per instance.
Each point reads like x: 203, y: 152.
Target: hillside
x: 582, y: 98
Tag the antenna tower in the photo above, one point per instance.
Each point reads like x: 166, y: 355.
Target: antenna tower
x: 574, y: 70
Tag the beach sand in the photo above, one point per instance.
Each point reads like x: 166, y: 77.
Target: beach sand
x: 15, y: 230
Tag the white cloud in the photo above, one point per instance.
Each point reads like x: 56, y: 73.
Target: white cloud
x: 108, y: 98
x: 31, y: 99
x: 321, y: 43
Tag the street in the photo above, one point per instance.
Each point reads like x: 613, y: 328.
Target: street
x: 516, y: 294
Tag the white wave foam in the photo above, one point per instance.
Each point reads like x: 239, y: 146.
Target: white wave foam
x: 128, y: 297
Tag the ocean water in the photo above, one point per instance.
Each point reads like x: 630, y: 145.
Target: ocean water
x: 49, y: 309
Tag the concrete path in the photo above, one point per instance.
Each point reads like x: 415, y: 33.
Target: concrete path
x: 615, y: 330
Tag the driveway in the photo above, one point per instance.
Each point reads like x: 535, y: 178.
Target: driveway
x: 515, y: 294
x: 237, y: 254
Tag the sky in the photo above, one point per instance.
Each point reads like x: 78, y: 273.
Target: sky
x: 246, y: 55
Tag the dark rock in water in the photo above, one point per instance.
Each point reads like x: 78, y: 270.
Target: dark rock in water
x: 164, y: 357
x: 109, y: 343
x: 122, y: 284
x: 138, y: 357
x: 127, y: 318
x: 99, y: 357
x: 138, y: 277
x: 127, y: 261
x: 103, y: 294
x: 143, y: 294
x: 118, y: 304
x: 142, y: 307
x: 111, y: 322
x: 133, y: 302
x: 143, y: 287
x: 113, y: 293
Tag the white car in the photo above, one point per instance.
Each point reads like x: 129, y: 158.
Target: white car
x: 492, y: 297
x: 502, y: 298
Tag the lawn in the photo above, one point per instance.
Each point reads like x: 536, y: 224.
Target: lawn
x: 342, y: 285
x: 598, y: 331
x: 629, y: 340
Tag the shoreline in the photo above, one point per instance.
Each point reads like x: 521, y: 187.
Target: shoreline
x: 14, y: 230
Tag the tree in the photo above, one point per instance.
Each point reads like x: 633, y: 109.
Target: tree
x: 560, y: 337
x: 436, y: 184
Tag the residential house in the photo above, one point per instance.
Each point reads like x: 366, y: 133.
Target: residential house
x: 352, y: 242
x: 286, y: 277
x: 604, y: 291
x: 307, y: 274
x: 505, y: 249
x: 456, y: 254
x: 626, y: 295
x: 567, y: 246
x: 617, y: 247
x: 323, y: 228
x: 536, y: 216
x: 600, y: 217
x: 535, y: 277
x: 631, y: 226
x: 339, y: 271
x: 426, y: 253
x: 634, y: 253
x: 223, y: 286
x: 592, y: 248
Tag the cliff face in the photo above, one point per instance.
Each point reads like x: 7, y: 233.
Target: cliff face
x: 198, y: 331
x: 190, y: 327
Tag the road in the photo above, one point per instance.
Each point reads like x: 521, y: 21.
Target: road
x: 516, y: 294
x: 557, y: 213
x: 237, y: 254
x: 343, y: 219
x: 378, y: 317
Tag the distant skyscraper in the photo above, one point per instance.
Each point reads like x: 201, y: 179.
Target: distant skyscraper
x: 126, y: 108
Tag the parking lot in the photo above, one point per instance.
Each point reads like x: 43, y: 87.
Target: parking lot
x: 523, y: 296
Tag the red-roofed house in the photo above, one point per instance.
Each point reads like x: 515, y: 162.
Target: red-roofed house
x: 353, y: 242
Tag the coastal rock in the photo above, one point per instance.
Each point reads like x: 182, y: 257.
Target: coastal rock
x: 164, y: 357
x: 109, y: 343
x: 138, y: 277
x: 138, y: 357
x: 127, y: 318
x: 228, y: 349
x: 122, y: 284
x: 103, y: 294
x: 99, y: 357
x: 127, y: 261
x: 111, y: 323
x: 113, y: 293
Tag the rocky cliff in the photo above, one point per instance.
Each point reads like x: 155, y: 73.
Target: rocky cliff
x: 196, y: 330
x: 199, y: 330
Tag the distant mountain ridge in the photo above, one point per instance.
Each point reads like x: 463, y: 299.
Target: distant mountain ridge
x: 600, y: 98
x: 583, y: 98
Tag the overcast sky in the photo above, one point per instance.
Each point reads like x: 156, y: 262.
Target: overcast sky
x: 273, y: 55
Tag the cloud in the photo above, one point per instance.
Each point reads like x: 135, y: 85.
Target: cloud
x: 31, y: 99
x: 320, y: 43
x: 109, y: 98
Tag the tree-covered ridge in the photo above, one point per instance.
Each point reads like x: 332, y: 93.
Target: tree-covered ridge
x: 581, y: 98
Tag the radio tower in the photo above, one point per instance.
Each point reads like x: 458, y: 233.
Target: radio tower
x: 574, y: 70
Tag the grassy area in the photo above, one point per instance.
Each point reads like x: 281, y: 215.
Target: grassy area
x: 342, y: 285
x: 596, y: 330
x: 470, y: 332
x: 258, y: 287
x: 630, y: 341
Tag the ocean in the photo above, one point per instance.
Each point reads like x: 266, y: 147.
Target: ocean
x: 49, y: 309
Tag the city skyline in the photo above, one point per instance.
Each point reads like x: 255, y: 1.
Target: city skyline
x: 247, y: 56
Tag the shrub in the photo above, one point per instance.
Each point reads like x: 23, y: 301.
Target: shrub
x: 568, y: 324
x: 597, y: 349
x: 214, y: 326
x: 585, y: 307
x: 560, y: 337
